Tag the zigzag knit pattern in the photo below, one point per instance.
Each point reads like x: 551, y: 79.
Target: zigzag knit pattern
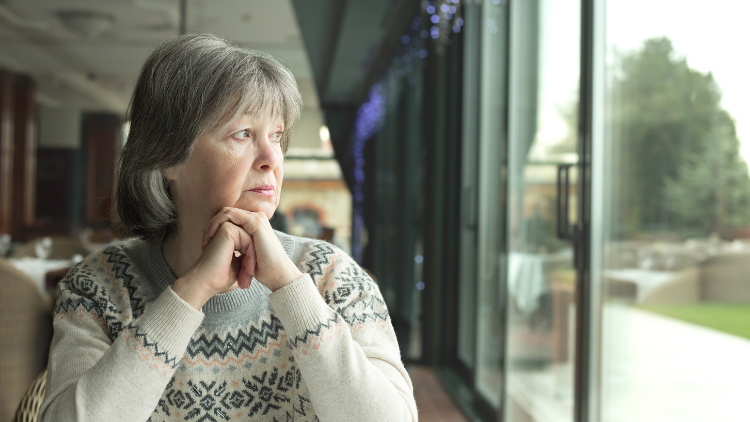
x: 242, y: 366
x: 152, y: 348
x: 119, y: 266
x: 309, y: 335
x: 346, y: 288
x: 102, y: 283
x: 246, y: 341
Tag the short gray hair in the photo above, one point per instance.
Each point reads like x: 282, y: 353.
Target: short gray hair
x: 189, y: 85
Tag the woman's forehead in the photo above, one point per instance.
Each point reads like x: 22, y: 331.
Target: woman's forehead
x: 255, y: 118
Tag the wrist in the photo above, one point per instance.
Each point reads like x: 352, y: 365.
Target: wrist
x: 288, y: 279
x: 189, y: 293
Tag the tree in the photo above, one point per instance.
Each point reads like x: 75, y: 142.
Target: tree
x: 712, y: 190
x: 675, y: 150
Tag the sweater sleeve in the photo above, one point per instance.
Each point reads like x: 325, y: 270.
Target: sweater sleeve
x: 343, y: 341
x: 94, y: 375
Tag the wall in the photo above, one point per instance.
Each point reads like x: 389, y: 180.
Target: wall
x: 307, y: 129
x: 330, y: 198
x: 59, y: 127
x: 724, y: 278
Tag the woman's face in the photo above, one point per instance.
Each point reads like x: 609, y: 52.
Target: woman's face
x: 240, y: 166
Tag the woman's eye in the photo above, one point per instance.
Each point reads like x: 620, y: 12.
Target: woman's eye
x: 277, y: 136
x: 243, y: 134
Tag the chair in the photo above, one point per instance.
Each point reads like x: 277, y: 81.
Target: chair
x: 25, y: 335
x: 28, y: 410
x: 62, y: 248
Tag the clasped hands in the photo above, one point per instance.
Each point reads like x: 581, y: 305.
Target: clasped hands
x: 218, y: 267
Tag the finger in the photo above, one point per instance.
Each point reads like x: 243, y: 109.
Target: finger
x: 249, y: 221
x: 250, y: 262
x: 251, y: 257
x: 243, y: 279
x: 245, y: 276
x: 236, y: 265
x: 237, y: 237
x: 255, y: 224
x: 216, y: 221
x: 210, y: 230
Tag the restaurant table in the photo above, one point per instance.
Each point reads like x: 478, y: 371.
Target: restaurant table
x: 38, y: 269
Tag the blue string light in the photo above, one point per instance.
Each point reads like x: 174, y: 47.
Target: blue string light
x: 366, y: 124
x: 438, y: 18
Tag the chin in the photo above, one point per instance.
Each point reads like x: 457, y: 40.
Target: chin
x: 269, y: 213
x: 265, y: 208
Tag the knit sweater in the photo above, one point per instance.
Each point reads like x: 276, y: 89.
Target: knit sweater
x: 127, y: 348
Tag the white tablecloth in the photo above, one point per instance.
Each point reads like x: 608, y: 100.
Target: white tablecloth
x: 526, y: 281
x: 37, y: 268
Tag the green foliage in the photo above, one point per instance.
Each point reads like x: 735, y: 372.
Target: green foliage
x: 675, y: 150
x: 712, y: 190
x: 729, y: 318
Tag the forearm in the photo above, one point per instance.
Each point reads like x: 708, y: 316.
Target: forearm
x: 348, y: 380
x: 190, y: 292
x: 90, y: 380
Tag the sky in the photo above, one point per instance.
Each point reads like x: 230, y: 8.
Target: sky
x: 711, y: 36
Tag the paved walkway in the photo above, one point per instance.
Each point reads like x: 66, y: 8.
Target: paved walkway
x: 661, y: 369
x: 655, y: 369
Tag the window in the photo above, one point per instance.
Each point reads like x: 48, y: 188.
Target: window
x: 671, y: 212
x: 540, y: 278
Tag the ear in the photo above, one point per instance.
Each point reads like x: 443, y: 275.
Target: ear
x: 171, y: 173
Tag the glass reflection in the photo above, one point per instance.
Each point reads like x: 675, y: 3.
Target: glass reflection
x: 544, y: 63
x: 671, y: 231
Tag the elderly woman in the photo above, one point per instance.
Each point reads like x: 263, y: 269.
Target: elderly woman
x: 210, y: 314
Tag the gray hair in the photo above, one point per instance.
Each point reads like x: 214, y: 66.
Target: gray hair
x: 189, y: 85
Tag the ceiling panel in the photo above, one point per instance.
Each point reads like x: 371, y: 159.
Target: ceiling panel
x: 33, y: 39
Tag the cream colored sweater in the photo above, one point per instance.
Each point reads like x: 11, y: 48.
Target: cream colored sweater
x: 127, y: 348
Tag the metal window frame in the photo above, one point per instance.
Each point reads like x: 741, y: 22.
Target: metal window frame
x: 580, y: 235
x: 582, y: 404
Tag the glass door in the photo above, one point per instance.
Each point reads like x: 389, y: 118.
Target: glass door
x: 543, y: 87
x: 671, y: 212
x: 490, y: 201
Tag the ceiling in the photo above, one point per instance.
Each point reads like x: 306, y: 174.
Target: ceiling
x: 343, y: 39
x: 331, y: 46
x: 99, y: 72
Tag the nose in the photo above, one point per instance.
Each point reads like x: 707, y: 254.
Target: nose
x: 268, y: 155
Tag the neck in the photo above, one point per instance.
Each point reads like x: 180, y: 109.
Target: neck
x: 181, y: 251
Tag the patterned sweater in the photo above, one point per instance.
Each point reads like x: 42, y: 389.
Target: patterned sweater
x: 127, y: 348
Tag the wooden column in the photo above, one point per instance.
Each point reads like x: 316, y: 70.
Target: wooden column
x: 101, y: 140
x: 23, y: 205
x: 6, y: 151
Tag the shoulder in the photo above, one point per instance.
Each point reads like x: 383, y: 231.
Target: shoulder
x: 343, y: 284
x: 103, y: 266
x: 104, y: 280
x: 318, y: 257
x: 303, y: 250
x: 332, y: 270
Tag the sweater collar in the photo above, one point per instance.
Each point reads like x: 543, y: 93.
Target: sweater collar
x: 221, y: 302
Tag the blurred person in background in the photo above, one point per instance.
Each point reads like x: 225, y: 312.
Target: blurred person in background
x: 209, y: 313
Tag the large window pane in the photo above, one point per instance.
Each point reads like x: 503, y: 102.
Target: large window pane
x: 671, y: 213
x: 490, y: 232
x: 469, y: 156
x: 543, y: 93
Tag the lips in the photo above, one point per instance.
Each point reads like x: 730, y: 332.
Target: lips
x: 265, y: 190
